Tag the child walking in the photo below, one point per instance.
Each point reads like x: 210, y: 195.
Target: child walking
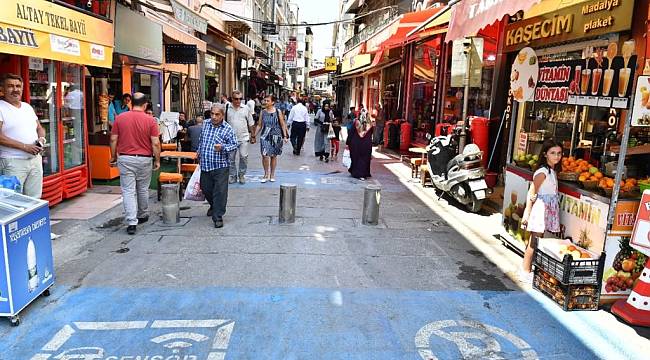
x: 336, y: 140
x: 542, y: 212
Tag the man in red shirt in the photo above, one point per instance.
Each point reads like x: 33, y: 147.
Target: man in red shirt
x: 134, y: 142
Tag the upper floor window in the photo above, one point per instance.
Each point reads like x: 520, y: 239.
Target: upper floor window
x: 97, y: 7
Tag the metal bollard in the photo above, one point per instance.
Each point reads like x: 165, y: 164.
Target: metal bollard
x: 170, y: 209
x: 371, y: 200
x: 287, y: 204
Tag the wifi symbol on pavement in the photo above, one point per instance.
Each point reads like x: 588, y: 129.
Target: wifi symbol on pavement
x: 179, y: 340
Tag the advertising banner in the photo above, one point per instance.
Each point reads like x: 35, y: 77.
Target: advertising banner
x: 29, y: 250
x: 582, y: 218
x: 290, y: 53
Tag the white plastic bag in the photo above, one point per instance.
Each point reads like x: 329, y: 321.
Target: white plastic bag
x: 193, y: 190
x: 347, y: 160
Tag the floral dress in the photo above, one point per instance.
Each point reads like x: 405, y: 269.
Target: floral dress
x: 271, y: 137
x: 545, y: 213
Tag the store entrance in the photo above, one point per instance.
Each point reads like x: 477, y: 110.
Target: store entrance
x: 148, y: 83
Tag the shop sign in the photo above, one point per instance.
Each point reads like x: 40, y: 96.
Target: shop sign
x: 269, y: 29
x: 148, y: 45
x: 189, y: 18
x: 35, y: 64
x: 459, y: 63
x: 524, y: 75
x: 355, y: 62
x: 586, y: 82
x: 624, y: 217
x: 582, y: 218
x: 590, y: 18
x: 330, y: 63
x: 522, y: 143
x: 47, y: 17
x: 38, y: 44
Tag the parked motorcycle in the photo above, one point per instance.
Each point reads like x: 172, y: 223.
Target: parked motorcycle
x: 462, y: 176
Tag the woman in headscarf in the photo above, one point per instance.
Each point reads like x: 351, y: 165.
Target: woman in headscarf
x: 323, y: 120
x: 360, y: 144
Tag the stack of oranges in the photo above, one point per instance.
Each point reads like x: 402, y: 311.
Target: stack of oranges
x: 627, y: 185
x: 571, y: 164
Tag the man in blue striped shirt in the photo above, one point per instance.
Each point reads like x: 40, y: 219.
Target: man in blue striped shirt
x: 217, y: 140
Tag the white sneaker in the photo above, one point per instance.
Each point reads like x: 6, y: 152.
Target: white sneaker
x: 263, y: 180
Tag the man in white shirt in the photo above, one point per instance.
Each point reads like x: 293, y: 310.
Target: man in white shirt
x: 239, y: 117
x: 299, y: 122
x: 251, y: 108
x: 21, y: 138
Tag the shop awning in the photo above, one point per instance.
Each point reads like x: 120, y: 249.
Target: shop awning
x: 435, y: 22
x: 408, y: 23
x: 318, y: 72
x: 243, y: 48
x: 85, y: 39
x: 183, y: 37
x: 470, y: 16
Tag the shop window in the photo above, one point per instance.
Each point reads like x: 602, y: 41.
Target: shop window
x: 148, y: 83
x: 175, y: 87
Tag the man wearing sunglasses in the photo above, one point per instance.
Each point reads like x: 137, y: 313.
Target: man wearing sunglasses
x: 239, y: 117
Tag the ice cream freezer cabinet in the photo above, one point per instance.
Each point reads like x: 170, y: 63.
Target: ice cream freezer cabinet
x: 26, y: 263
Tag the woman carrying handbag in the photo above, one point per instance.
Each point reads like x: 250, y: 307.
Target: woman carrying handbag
x: 323, y: 121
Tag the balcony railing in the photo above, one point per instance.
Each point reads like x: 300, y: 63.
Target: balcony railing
x: 370, y: 30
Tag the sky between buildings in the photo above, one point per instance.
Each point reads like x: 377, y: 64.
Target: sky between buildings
x: 313, y: 11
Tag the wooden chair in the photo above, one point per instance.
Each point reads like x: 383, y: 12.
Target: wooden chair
x: 415, y: 167
x: 425, y: 177
x: 169, y: 178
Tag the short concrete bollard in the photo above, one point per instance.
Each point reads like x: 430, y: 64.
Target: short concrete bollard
x: 287, y: 204
x: 171, y: 213
x: 371, y: 200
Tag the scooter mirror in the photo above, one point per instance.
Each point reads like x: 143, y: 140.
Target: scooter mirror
x: 428, y: 136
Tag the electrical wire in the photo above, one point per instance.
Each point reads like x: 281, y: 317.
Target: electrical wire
x: 235, y: 16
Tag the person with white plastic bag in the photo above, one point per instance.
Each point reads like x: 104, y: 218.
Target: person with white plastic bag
x: 193, y: 190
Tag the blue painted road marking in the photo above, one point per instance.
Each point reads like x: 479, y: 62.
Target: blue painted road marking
x: 224, y: 323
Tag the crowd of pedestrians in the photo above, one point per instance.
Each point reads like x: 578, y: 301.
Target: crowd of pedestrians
x: 222, y: 143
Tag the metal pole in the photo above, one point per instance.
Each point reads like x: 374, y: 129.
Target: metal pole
x: 170, y: 208
x: 371, y: 200
x: 463, y: 135
x: 287, y: 204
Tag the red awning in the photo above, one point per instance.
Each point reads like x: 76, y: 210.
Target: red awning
x: 318, y: 72
x: 470, y: 16
x: 407, y: 23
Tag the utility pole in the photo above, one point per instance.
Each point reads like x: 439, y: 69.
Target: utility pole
x: 468, y: 46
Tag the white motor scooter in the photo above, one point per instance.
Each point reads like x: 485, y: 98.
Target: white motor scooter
x: 462, y: 176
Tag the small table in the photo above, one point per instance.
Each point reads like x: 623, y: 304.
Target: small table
x: 178, y: 155
x: 419, y: 150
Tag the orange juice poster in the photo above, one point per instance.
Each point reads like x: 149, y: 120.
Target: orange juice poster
x: 641, y: 109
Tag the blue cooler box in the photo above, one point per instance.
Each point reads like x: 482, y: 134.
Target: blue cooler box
x: 26, y: 263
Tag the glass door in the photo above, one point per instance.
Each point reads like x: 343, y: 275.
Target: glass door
x: 72, y: 115
x: 149, y: 84
x: 42, y: 90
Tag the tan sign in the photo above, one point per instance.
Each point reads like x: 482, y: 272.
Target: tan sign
x: 355, y: 62
x: 589, y: 18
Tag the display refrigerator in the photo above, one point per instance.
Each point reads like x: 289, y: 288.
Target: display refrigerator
x: 26, y: 262
x: 57, y: 95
